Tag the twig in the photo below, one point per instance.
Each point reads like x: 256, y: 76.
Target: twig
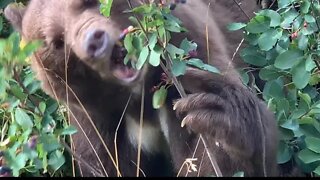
x: 241, y: 9
x: 66, y: 146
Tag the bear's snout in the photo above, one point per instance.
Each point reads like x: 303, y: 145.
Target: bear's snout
x: 96, y: 43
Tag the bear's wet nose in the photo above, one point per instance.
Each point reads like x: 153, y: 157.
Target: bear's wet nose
x: 96, y: 43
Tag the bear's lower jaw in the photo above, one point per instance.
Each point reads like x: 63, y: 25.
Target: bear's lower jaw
x: 125, y: 73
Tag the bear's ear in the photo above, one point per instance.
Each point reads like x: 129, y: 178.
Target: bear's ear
x: 14, y: 12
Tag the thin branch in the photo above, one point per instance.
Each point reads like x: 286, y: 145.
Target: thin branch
x: 241, y: 9
x: 67, y: 147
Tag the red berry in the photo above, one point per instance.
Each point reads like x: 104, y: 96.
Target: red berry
x: 193, y: 53
x: 294, y: 35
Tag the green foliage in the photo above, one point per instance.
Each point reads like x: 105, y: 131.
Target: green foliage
x: 149, y: 42
x: 32, y: 124
x: 105, y: 7
x: 284, y: 47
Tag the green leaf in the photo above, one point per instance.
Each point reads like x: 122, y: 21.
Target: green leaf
x: 155, y: 54
x: 42, y: 107
x: 244, y: 76
x: 56, y: 160
x: 273, y: 15
x: 199, y: 64
x: 159, y: 97
x: 258, y: 24
x: 188, y: 46
x: 178, y: 67
x: 269, y: 73
x: 1, y: 23
x: 256, y: 60
x: 288, y: 59
x: 310, y: 64
x: 269, y: 38
x: 305, y: 6
x: 289, y: 17
x: 18, y: 92
x: 23, y: 119
x: 137, y: 43
x: 142, y: 57
x: 20, y: 161
x: 69, y: 130
x: 105, y: 7
x: 315, y: 79
x: 128, y: 43
x: 300, y: 76
x: 291, y: 124
x: 28, y: 49
x: 283, y: 154
x: 253, y: 56
x: 239, y: 174
x: 284, y: 3
x: 303, y: 41
x: 143, y: 9
x: 273, y: 89
x: 210, y: 68
x: 317, y: 170
x: 173, y: 50
x: 235, y: 26
x: 305, y: 97
x: 308, y: 156
x: 306, y: 120
x: 50, y: 143
x: 153, y: 40
x: 313, y: 144
x: 309, y: 19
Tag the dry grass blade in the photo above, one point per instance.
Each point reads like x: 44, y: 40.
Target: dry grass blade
x: 116, y: 133
x: 140, y: 128
x: 39, y: 61
x: 79, y: 159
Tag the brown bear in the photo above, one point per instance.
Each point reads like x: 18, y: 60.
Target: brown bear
x: 78, y: 65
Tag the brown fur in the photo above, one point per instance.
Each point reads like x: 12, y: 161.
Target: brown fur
x: 219, y: 106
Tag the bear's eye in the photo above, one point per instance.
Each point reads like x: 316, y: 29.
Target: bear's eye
x: 89, y: 3
x: 58, y: 42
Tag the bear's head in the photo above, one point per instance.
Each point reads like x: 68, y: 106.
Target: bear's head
x: 76, y: 28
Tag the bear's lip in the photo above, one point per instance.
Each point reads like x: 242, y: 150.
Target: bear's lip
x: 121, y: 71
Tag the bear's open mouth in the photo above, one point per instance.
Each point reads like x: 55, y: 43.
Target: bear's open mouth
x: 121, y: 71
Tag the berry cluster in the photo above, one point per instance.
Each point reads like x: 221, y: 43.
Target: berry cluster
x: 294, y: 35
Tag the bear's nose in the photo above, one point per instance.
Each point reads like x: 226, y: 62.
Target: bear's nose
x: 96, y: 43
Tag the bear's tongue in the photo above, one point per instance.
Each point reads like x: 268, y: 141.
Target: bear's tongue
x: 124, y: 72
